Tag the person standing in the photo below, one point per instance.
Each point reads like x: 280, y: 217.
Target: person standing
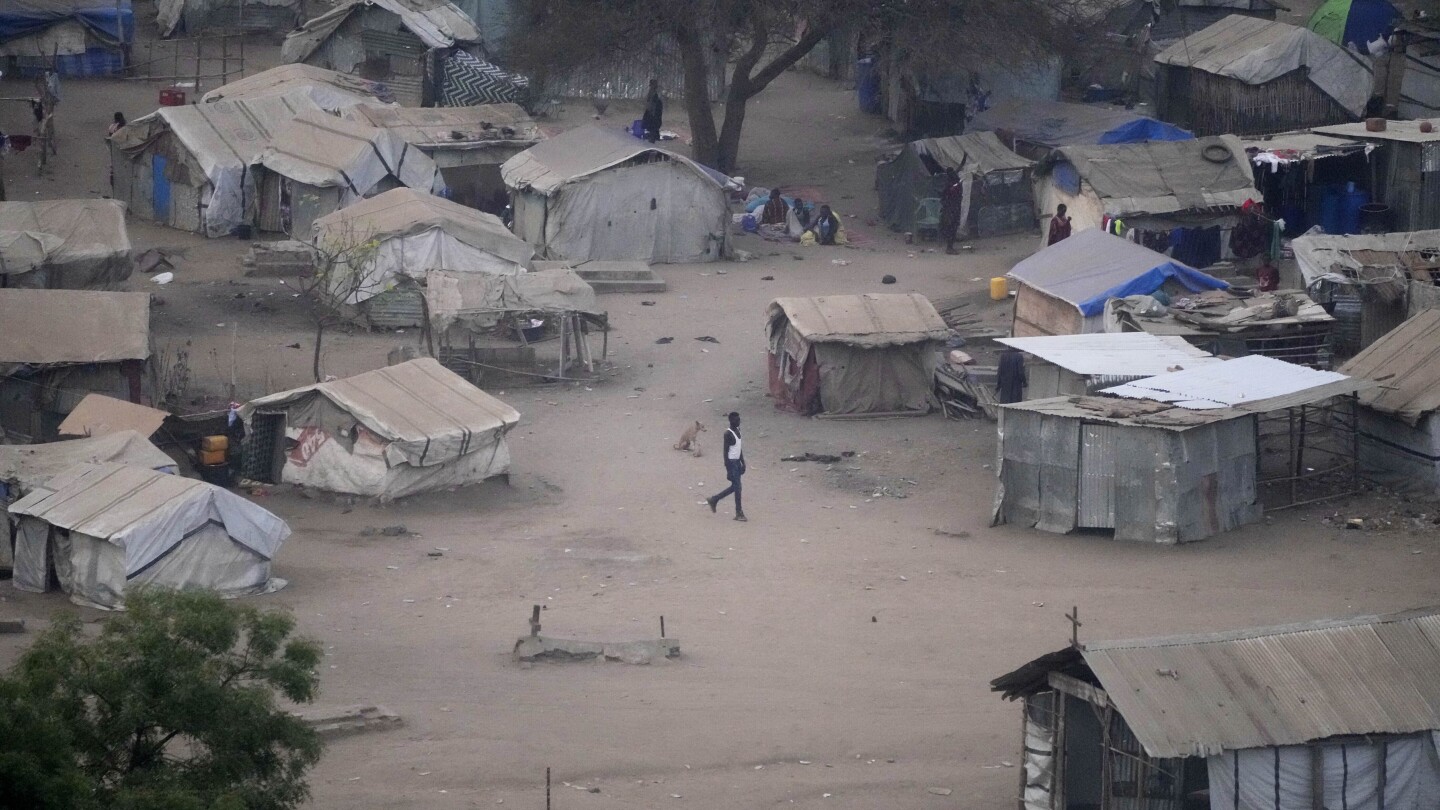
x: 1010, y: 377
x: 1059, y: 226
x: 952, y: 199
x: 654, y: 112
x: 734, y: 467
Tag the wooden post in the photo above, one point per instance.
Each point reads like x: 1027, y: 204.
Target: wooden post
x: 534, y: 620
x: 1384, y: 778
x: 1317, y: 778
x: 196, y: 99
x: 547, y: 789
x: 662, y: 627
x: 1024, y: 729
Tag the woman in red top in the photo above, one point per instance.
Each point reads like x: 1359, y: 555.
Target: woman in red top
x: 1059, y: 225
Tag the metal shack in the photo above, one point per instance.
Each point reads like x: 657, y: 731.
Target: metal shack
x: 1337, y: 713
x: 1077, y: 365
x: 997, y: 197
x: 1407, y: 171
x: 1180, y: 458
x: 1399, y: 434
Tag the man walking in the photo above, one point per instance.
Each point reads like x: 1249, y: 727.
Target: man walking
x: 654, y: 112
x: 734, y: 467
x: 952, y: 199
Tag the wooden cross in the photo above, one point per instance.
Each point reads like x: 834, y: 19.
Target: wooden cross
x: 1075, y: 624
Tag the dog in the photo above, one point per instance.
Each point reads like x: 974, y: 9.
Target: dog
x: 689, y: 440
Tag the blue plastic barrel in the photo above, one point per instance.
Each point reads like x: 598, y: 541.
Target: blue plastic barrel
x: 1354, y: 200
x: 1332, y: 220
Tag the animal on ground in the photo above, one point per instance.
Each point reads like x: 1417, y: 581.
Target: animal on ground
x: 689, y: 440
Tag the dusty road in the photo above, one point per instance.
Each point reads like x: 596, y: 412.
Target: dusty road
x: 853, y: 632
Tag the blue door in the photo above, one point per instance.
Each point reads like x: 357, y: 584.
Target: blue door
x: 160, y: 188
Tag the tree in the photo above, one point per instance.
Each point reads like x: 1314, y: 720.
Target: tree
x: 171, y: 707
x: 343, y: 276
x: 761, y: 39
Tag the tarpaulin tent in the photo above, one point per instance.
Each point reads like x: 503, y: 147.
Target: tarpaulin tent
x: 1248, y: 76
x: 189, y: 167
x: 1353, y: 22
x: 395, y: 431
x: 477, y: 301
x: 996, y: 181
x: 75, y: 37
x: 105, y: 528
x: 319, y: 164
x: 600, y: 194
x: 853, y: 354
x: 329, y: 89
x: 64, y: 244
x: 197, y: 17
x: 1064, y: 287
x: 1033, y: 126
x: 416, y: 233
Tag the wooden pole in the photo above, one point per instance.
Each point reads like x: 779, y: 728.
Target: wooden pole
x: 198, y: 41
x: 662, y: 627
x: 547, y: 789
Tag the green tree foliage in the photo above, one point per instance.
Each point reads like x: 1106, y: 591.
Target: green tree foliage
x: 173, y: 706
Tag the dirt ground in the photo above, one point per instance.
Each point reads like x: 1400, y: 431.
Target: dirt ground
x: 836, y: 649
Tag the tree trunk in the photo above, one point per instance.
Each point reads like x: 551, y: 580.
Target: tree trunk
x: 319, y: 336
x: 727, y: 156
x: 705, y: 144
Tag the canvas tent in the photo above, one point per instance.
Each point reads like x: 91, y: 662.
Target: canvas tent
x: 328, y: 89
x: 1083, y: 364
x: 854, y: 354
x: 319, y: 164
x: 477, y: 301
x: 388, y: 433
x: 189, y: 167
x: 72, y: 37
x: 1063, y: 287
x: 1196, y: 186
x: 469, y: 144
x: 1337, y: 713
x: 428, y: 52
x: 1399, y: 430
x: 600, y: 194
x: 415, y: 233
x: 996, y: 181
x: 1033, y: 127
x: 1250, y: 76
x: 104, y: 528
x: 199, y: 17
x: 57, y: 346
x: 64, y: 244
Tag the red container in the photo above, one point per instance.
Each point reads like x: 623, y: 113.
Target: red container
x: 172, y: 97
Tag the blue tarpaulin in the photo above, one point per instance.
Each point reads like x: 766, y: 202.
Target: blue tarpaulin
x: 1144, y: 129
x: 108, y: 21
x: 1092, y: 267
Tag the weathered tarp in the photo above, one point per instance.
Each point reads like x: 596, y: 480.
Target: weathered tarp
x: 125, y: 526
x: 478, y: 300
x: 917, y: 172
x: 1061, y: 123
x: 391, y: 432
x: 107, y: 22
x: 170, y: 14
x: 415, y: 233
x: 861, y: 320
x: 1091, y: 267
x: 23, y: 467
x: 1256, y: 51
x: 434, y: 129
x: 1344, y: 258
x: 70, y: 327
x: 319, y: 149
x: 438, y: 23
x: 220, y: 140
x: 1159, y: 178
x: 329, y: 89
x: 64, y: 244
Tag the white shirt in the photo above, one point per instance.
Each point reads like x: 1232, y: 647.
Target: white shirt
x: 735, y: 449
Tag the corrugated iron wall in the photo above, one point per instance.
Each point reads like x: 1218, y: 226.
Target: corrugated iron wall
x: 627, y: 76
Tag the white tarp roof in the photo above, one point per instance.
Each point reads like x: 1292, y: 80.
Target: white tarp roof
x: 323, y: 150
x: 862, y: 320
x: 85, y: 237
x: 329, y: 89
x: 1256, y: 384
x: 32, y: 465
x: 438, y: 23
x: 1114, y: 353
x: 1256, y: 51
x: 66, y: 327
x: 224, y: 137
x: 146, y: 512
x: 1342, y: 258
x: 547, y: 166
x: 406, y: 212
x: 427, y: 413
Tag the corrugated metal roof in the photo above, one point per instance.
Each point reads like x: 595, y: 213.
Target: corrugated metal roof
x: 1133, y: 354
x: 1162, y: 177
x: 862, y: 320
x: 1405, y: 365
x: 1306, y: 145
x: 1406, y: 131
x: 581, y: 152
x: 45, y: 327
x: 328, y: 88
x: 1199, y: 695
x: 1095, y: 409
x: 438, y: 24
x: 1256, y: 384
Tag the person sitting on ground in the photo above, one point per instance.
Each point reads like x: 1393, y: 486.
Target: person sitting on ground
x: 116, y: 124
x: 1059, y: 225
x: 826, y: 226
x: 802, y: 214
x: 775, y: 209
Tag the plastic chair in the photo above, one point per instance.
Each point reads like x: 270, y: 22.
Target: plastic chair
x: 927, y: 217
